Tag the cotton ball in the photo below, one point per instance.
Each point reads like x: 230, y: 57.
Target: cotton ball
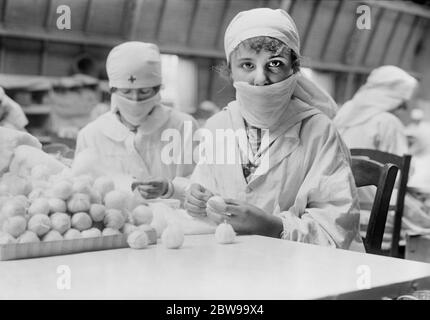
x: 79, y: 202
x: 217, y: 204
x: 6, y: 238
x: 91, y: 233
x: 97, y: 212
x: 128, y: 228
x: 40, y: 172
x: 81, y: 186
x: 57, y: 205
x: 39, y: 206
x: 36, y: 194
x: 172, y: 237
x: 28, y: 237
x: 114, y: 219
x: 95, y: 196
x: 13, y: 208
x: 15, y: 226
x: 60, y: 222
x: 81, y: 221
x: 224, y: 233
x: 110, y: 232
x: 22, y: 199
x: 52, y: 235
x: 116, y: 199
x: 40, y: 184
x: 72, y: 234
x: 159, y: 222
x: 39, y: 224
x: 103, y: 185
x: 62, y: 190
x: 142, y: 215
x: 138, y: 239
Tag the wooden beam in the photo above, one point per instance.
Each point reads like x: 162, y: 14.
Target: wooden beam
x: 412, y: 29
x: 287, y: 5
x: 329, y: 33
x: 2, y: 54
x: 135, y: 19
x: 160, y: 19
x: 409, y: 7
x: 309, y: 25
x: 4, y: 12
x: 219, y: 30
x: 373, y: 31
x: 43, y: 58
x: 192, y: 21
x: 48, y: 14
x: 390, y: 37
x: 80, y: 38
x: 87, y: 15
x: 125, y: 19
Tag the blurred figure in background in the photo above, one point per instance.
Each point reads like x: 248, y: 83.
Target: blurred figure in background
x: 11, y: 114
x: 129, y: 139
x: 371, y: 120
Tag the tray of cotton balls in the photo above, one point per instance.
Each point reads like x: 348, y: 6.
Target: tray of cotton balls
x: 64, y: 214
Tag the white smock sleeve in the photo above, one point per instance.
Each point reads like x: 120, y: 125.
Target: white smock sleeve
x: 326, y: 209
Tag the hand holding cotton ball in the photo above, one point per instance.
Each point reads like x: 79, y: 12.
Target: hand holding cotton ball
x: 172, y: 237
x: 81, y: 221
x: 138, y: 239
x: 39, y: 224
x: 15, y: 226
x: 224, y: 233
x: 142, y: 215
x: 60, y: 222
x: 217, y: 204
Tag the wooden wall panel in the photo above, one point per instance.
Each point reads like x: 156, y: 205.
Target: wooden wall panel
x: 175, y: 21
x: 26, y: 13
x: 301, y: 13
x: 110, y: 21
x: 410, y: 50
x: 206, y: 24
x: 337, y: 43
x: 395, y: 47
x: 19, y: 60
x: 319, y: 28
x: 147, y: 24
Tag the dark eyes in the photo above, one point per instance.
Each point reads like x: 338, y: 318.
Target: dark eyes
x: 275, y: 63
x: 271, y: 64
x: 247, y: 66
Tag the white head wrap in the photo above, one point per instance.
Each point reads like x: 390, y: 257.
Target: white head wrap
x: 277, y: 24
x: 386, y: 88
x: 134, y: 65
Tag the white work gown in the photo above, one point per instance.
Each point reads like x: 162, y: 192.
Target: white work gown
x: 308, y: 184
x: 143, y: 154
x: 385, y: 132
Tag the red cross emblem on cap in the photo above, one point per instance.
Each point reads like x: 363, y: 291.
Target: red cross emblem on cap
x: 132, y: 79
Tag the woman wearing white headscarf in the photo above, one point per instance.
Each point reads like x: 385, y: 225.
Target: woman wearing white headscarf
x: 130, y: 139
x: 291, y: 177
x: 369, y: 120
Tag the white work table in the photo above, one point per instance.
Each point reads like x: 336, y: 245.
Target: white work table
x: 252, y: 268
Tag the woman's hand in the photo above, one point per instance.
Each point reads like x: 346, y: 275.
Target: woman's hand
x: 196, y: 198
x: 248, y: 219
x: 153, y: 187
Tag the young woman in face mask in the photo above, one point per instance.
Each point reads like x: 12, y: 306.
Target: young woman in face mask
x: 130, y: 138
x: 292, y: 179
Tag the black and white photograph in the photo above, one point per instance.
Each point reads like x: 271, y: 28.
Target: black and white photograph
x: 214, y: 155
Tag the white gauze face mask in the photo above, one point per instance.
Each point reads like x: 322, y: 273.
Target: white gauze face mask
x: 262, y: 106
x: 134, y: 112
